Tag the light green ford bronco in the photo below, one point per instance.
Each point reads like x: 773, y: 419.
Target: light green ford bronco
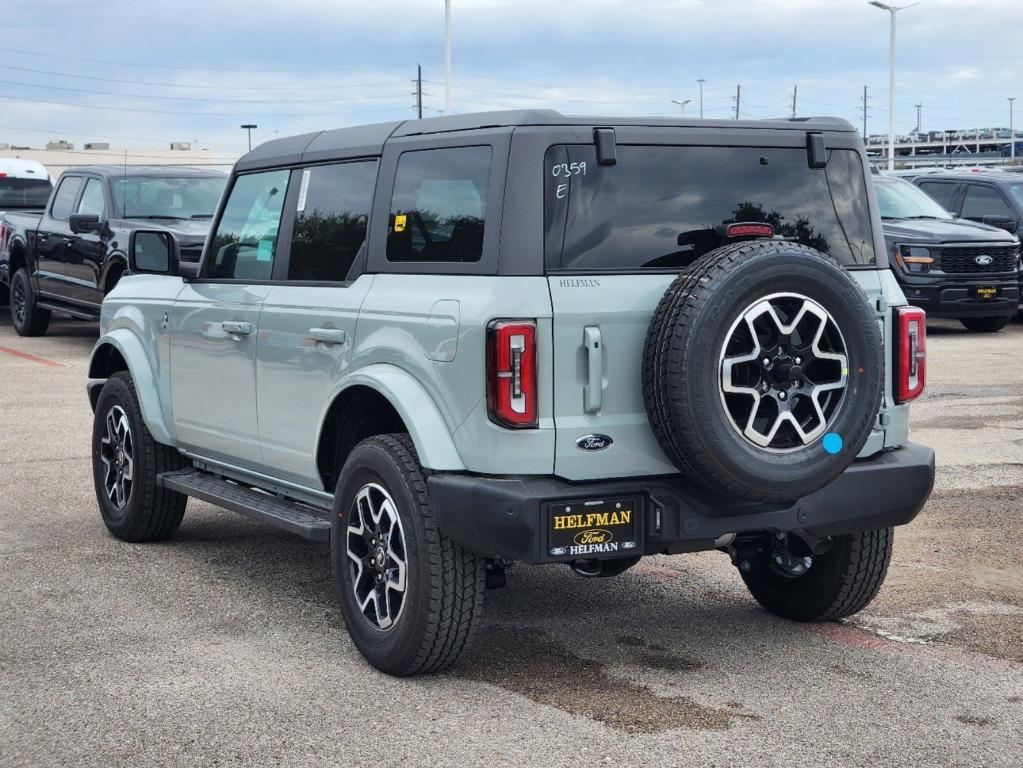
x: 447, y: 345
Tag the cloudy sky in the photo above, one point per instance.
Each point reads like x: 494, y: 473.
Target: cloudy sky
x: 140, y: 74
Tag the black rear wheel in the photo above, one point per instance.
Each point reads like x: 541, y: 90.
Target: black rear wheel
x: 985, y: 324
x: 792, y: 583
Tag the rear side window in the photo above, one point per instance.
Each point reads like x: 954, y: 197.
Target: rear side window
x: 64, y: 200
x: 92, y: 198
x: 661, y: 207
x: 942, y: 191
x: 439, y: 205
x: 330, y: 220
x: 981, y: 201
x: 245, y: 242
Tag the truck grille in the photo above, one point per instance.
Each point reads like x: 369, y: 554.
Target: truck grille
x: 964, y: 260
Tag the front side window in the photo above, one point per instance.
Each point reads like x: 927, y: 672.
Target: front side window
x: 662, y: 207
x: 898, y: 199
x: 439, y: 205
x: 942, y: 192
x: 160, y: 197
x: 981, y: 201
x: 92, y: 199
x: 245, y: 243
x: 330, y: 219
x: 64, y: 200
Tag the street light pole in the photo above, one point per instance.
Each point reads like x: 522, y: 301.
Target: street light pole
x: 891, y: 78
x: 447, y: 57
x: 248, y: 127
x: 1012, y: 133
x: 681, y: 104
x: 701, y: 81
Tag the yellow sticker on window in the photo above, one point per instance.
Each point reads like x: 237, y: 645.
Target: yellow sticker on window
x: 399, y: 222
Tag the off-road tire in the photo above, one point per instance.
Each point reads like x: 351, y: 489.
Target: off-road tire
x: 840, y: 582
x: 681, y: 369
x: 985, y: 324
x: 28, y: 319
x: 151, y: 513
x: 445, y: 582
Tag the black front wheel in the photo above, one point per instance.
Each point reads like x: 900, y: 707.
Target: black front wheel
x: 28, y: 319
x: 410, y: 596
x: 985, y: 324
x: 792, y: 583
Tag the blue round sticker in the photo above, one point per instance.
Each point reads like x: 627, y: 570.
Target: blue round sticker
x: 832, y: 442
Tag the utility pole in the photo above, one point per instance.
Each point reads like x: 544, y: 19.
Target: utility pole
x: 891, y: 78
x: 419, y: 91
x: 738, y: 95
x: 864, y: 113
x: 447, y: 57
x: 795, y: 91
x: 701, y: 81
x: 1012, y: 133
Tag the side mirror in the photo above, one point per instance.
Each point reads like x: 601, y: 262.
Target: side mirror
x: 84, y: 222
x: 1007, y: 223
x: 152, y: 253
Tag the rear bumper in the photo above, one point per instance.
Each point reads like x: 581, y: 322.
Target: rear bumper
x: 504, y: 516
x: 955, y: 298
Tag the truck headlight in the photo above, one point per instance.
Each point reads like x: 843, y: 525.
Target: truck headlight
x: 913, y: 258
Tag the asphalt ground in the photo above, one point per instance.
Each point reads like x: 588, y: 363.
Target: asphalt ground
x: 224, y: 646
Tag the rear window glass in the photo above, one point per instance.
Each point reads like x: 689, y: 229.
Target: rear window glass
x: 439, y: 205
x: 24, y: 193
x: 661, y: 207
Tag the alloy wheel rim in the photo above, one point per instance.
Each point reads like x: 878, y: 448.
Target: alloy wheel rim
x: 18, y: 302
x: 117, y: 454
x: 377, y: 559
x: 784, y: 372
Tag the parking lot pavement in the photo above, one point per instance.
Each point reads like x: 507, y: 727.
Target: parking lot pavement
x: 224, y: 646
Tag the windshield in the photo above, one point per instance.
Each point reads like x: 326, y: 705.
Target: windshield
x: 1016, y: 190
x: 168, y: 197
x: 662, y: 207
x: 24, y: 193
x: 899, y: 199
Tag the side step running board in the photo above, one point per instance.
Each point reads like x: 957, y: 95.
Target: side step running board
x: 78, y: 314
x: 307, y: 522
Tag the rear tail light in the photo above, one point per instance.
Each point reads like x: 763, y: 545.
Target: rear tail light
x: 910, y: 353
x: 511, y: 373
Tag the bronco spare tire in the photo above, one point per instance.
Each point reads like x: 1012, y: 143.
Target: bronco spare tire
x: 763, y: 370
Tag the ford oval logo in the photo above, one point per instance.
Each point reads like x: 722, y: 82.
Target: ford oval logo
x: 593, y: 443
x: 983, y: 260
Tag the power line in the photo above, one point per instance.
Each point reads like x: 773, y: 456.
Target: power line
x: 203, y: 99
x: 107, y: 108
x: 194, y: 85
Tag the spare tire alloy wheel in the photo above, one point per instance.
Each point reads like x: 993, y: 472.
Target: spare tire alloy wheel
x: 376, y: 554
x: 763, y: 371
x: 784, y: 371
x: 117, y: 455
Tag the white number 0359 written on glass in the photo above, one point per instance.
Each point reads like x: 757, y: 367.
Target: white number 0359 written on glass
x: 568, y: 169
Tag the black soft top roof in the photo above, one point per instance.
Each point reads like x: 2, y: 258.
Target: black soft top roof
x: 368, y: 140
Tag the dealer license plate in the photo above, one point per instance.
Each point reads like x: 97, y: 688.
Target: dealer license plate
x: 593, y: 528
x: 985, y: 292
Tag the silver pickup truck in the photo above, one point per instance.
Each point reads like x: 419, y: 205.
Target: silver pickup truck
x: 447, y: 345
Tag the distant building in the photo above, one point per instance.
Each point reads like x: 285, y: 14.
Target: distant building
x: 60, y: 145
x: 181, y: 146
x: 93, y: 145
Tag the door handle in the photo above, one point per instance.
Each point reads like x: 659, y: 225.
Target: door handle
x: 593, y: 392
x: 328, y: 335
x: 236, y: 328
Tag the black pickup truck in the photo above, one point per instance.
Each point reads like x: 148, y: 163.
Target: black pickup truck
x: 949, y: 266
x: 68, y: 257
